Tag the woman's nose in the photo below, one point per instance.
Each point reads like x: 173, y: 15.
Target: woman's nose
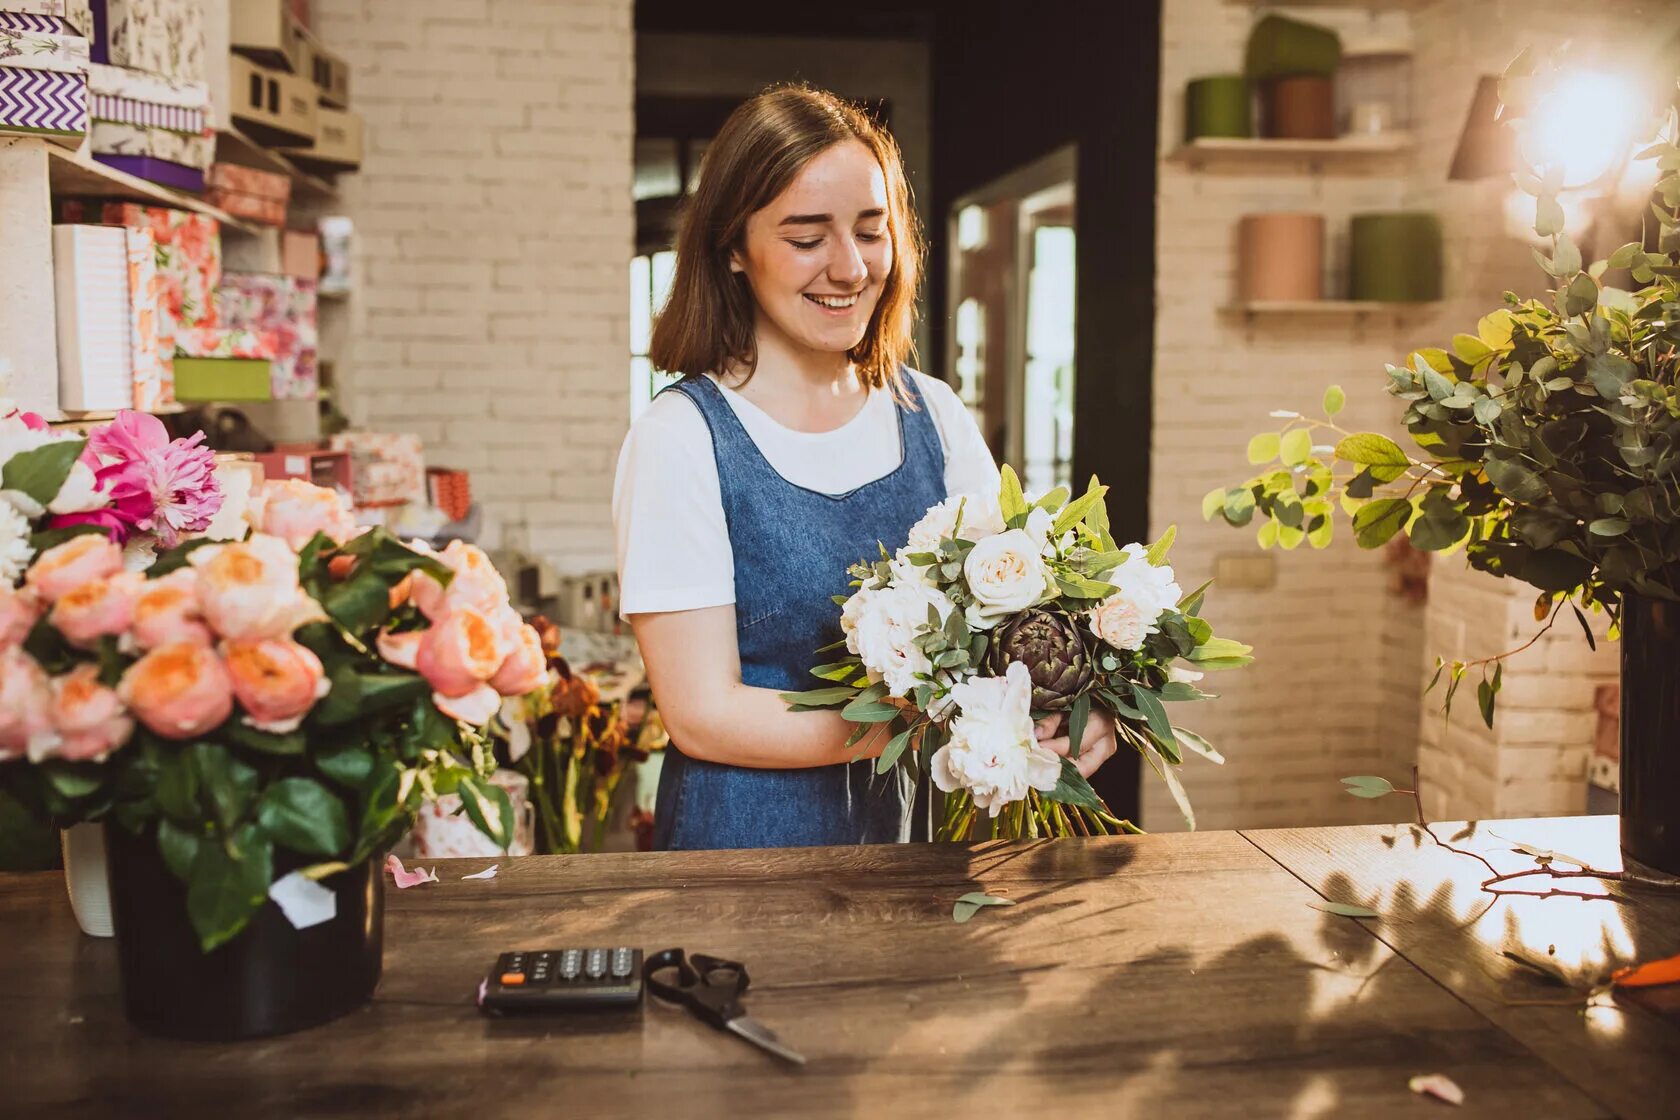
x: 847, y: 266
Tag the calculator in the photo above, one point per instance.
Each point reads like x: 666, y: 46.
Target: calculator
x: 552, y: 980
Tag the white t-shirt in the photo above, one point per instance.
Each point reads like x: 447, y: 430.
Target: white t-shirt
x: 673, y: 539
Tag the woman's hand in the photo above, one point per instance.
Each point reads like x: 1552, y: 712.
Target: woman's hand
x: 1097, y: 747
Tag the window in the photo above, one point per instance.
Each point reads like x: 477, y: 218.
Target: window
x: 650, y: 283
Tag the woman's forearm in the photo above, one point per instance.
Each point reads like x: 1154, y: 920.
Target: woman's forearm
x: 752, y: 727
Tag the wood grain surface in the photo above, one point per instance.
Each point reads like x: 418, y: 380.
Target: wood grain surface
x: 1160, y: 976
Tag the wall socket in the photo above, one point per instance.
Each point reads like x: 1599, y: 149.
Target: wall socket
x: 1254, y: 571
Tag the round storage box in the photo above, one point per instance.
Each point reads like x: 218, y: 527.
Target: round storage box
x: 1302, y: 107
x: 1217, y: 105
x: 1395, y: 257
x: 1280, y: 257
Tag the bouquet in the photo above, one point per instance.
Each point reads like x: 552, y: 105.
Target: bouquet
x: 998, y: 612
x: 271, y: 706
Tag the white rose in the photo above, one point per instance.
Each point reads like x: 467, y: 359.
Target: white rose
x: 992, y: 752
x: 905, y: 572
x: 79, y: 493
x: 981, y: 518
x: 880, y: 625
x: 1006, y: 574
x: 1143, y: 592
x: 1177, y: 674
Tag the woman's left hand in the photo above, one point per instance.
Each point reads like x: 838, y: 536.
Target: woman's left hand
x: 1097, y: 747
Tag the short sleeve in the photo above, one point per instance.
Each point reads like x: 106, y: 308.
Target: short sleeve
x: 969, y: 467
x: 668, y: 522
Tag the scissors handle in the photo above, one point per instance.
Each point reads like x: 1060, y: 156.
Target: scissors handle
x: 710, y: 987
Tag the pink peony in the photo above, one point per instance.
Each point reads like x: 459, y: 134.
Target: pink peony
x: 525, y: 669
x: 295, y: 510
x: 249, y: 589
x: 88, y: 717
x: 19, y: 610
x: 276, y: 681
x: 460, y: 652
x: 477, y: 584
x: 67, y: 566
x: 166, y: 612
x: 476, y: 707
x: 179, y: 691
x: 98, y: 608
x: 168, y: 487
x: 401, y: 650
x: 25, y: 704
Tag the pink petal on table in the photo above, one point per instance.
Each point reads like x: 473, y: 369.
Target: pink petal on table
x: 406, y: 878
x: 487, y: 873
x: 1436, y: 1085
x: 483, y: 989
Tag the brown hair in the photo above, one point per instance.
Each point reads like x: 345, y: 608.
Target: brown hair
x: 707, y: 323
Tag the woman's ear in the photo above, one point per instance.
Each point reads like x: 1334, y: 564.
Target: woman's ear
x: 735, y: 264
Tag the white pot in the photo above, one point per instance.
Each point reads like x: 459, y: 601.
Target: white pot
x: 86, y: 879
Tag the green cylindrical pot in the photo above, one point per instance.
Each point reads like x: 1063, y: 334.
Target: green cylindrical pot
x: 1395, y: 257
x: 1280, y: 47
x: 1217, y: 105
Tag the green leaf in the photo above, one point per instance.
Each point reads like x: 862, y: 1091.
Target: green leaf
x: 47, y: 538
x: 73, y: 780
x: 1514, y: 480
x: 178, y: 557
x: 1371, y: 449
x: 227, y: 784
x: 1624, y: 256
x: 1295, y: 447
x: 265, y: 742
x: 1077, y: 510
x: 1078, y: 716
x: 300, y: 814
x: 836, y: 671
x: 355, y: 694
x: 969, y: 904
x: 1548, y: 216
x: 1220, y: 653
x: 178, y: 847
x: 1581, y: 295
x: 1012, y: 503
x: 1073, y: 789
x: 1368, y: 785
x: 1376, y: 522
x: 1053, y: 500
x: 1239, y: 506
x: 1609, y: 527
x: 1334, y: 400
x: 1263, y: 448
x: 41, y: 472
x: 889, y: 754
x: 822, y: 697
x: 1153, y: 713
x: 1345, y: 909
x: 227, y: 885
x: 1213, y: 503
x: 1156, y: 554
x: 1194, y: 743
x: 489, y: 808
x: 360, y: 603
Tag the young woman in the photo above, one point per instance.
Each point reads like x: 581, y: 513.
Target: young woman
x: 796, y: 440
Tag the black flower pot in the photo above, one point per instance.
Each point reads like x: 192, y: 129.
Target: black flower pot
x: 271, y: 979
x: 1650, y: 771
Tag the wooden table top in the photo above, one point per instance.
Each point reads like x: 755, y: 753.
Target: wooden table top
x: 1159, y: 976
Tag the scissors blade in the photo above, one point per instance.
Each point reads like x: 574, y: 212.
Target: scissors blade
x: 763, y: 1037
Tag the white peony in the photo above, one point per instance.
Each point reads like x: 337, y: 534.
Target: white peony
x: 992, y: 752
x: 880, y: 626
x: 231, y: 521
x: 1133, y: 612
x: 981, y: 518
x: 1006, y: 574
x: 1178, y: 674
x: 15, y: 553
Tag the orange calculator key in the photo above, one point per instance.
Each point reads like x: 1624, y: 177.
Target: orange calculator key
x: 512, y: 979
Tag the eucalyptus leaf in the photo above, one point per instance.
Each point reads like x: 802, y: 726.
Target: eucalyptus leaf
x: 971, y: 903
x: 1345, y: 909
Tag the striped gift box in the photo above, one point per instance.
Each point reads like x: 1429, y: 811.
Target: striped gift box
x: 44, y: 102
x: 144, y: 114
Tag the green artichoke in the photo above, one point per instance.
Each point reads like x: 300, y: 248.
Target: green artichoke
x: 1052, y: 648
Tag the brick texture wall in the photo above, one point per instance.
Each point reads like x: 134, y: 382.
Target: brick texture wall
x: 494, y: 229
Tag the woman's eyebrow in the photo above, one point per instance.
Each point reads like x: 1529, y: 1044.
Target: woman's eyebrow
x: 824, y: 219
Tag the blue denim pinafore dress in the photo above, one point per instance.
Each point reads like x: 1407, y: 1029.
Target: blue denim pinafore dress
x: 792, y: 547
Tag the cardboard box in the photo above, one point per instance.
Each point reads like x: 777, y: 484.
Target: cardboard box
x: 44, y: 103
x: 221, y: 379
x: 146, y: 100
x: 153, y: 362
x: 40, y: 50
x: 338, y: 141
x: 300, y: 255
x: 282, y: 311
x: 272, y: 106
x: 266, y: 31
x: 156, y: 36
x: 90, y: 279
x: 330, y: 73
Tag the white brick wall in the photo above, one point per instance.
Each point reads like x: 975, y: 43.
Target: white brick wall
x: 495, y: 228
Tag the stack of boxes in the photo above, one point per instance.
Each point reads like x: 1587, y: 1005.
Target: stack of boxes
x: 43, y: 71
x: 149, y: 90
x: 287, y: 90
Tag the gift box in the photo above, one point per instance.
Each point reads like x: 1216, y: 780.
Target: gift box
x: 146, y: 100
x: 320, y: 465
x: 248, y: 193
x: 61, y: 51
x: 31, y: 21
x: 274, y: 107
x: 450, y: 491
x: 189, y: 265
x: 282, y: 310
x: 267, y: 32
x: 217, y: 364
x: 158, y: 36
x: 300, y: 255
x: 55, y: 8
x: 48, y: 103
x: 388, y: 467
x: 338, y: 141
x: 330, y: 73
x: 155, y: 154
x: 153, y: 361
x: 90, y: 280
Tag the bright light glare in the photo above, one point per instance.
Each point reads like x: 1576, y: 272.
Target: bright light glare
x: 1586, y: 122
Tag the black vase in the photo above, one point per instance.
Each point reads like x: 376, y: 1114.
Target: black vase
x: 1650, y: 769
x: 270, y: 979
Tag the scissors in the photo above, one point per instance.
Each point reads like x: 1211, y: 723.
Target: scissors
x: 711, y: 988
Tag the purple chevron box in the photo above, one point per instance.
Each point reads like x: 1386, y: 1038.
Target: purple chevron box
x: 45, y: 103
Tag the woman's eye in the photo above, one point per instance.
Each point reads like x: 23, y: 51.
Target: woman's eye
x: 806, y: 244
x: 869, y: 236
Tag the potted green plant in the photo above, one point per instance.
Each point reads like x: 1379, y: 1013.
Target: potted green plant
x: 1546, y: 445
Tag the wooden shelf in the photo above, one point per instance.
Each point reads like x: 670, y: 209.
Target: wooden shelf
x: 1376, y: 48
x: 100, y: 416
x: 72, y: 174
x: 233, y: 146
x: 1337, y: 308
x: 1235, y: 151
x: 1351, y: 5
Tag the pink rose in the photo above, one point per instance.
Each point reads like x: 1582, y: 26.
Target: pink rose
x: 525, y: 669
x: 89, y: 717
x: 97, y: 608
x: 476, y: 585
x: 476, y: 707
x: 249, y: 589
x: 64, y: 567
x: 167, y: 612
x: 25, y: 704
x: 295, y: 510
x: 460, y: 652
x: 276, y: 681
x: 179, y: 691
x: 19, y: 610
x: 401, y: 650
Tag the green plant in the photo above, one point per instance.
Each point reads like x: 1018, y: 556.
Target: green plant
x: 1546, y: 443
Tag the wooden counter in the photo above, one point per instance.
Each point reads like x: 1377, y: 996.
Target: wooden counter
x: 1160, y: 976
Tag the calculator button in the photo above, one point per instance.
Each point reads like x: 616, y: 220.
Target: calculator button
x: 621, y: 963
x: 570, y: 961
x: 596, y: 964
x: 512, y: 979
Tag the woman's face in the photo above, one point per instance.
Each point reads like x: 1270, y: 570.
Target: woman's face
x: 818, y: 255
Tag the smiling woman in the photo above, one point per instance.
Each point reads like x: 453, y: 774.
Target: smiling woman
x: 796, y: 440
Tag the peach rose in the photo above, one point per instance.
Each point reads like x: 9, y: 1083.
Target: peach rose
x: 249, y: 590
x: 276, y: 681
x: 179, y: 691
x: 477, y: 583
x: 89, y: 717
x: 295, y: 510
x: 25, y: 705
x: 525, y: 669
x: 401, y: 650
x: 19, y: 610
x: 64, y: 567
x: 460, y: 652
x: 167, y: 612
x: 97, y: 608
x: 476, y: 707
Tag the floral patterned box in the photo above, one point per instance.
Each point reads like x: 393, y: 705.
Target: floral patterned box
x: 282, y: 309
x: 154, y: 365
x: 189, y: 264
x: 389, y: 467
x: 248, y: 193
x: 111, y: 138
x: 158, y: 36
